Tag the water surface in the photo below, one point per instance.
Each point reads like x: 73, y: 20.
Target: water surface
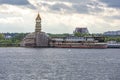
x: 59, y: 64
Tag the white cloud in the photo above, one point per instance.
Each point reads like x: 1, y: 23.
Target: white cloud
x: 11, y: 20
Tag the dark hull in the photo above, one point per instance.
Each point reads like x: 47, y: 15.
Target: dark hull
x: 89, y: 46
x: 83, y: 47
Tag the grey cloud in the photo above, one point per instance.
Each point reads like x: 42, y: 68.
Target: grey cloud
x: 14, y: 2
x: 86, y: 7
x: 71, y: 1
x: 60, y: 6
x: 112, y: 3
x: 79, y: 6
x: 24, y: 3
x: 57, y: 7
x: 114, y: 17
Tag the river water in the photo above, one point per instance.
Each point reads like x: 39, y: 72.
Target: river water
x: 59, y: 64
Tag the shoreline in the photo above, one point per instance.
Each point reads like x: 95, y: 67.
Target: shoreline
x: 58, y: 47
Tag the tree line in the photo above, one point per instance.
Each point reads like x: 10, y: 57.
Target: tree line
x: 11, y: 39
x: 16, y: 38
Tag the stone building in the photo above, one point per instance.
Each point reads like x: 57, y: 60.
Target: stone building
x: 112, y: 33
x: 82, y: 30
x: 37, y: 38
x: 29, y: 40
x: 42, y: 39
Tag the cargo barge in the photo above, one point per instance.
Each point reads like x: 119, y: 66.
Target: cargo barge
x: 78, y: 42
x: 79, y: 45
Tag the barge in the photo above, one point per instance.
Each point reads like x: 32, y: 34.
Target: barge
x: 79, y: 45
x: 78, y: 42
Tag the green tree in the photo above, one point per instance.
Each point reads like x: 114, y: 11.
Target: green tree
x: 111, y: 38
x: 81, y: 34
x: 1, y: 36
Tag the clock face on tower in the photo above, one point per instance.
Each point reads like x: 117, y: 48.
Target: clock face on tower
x: 38, y: 20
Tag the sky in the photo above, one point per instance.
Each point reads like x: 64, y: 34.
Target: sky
x: 60, y: 16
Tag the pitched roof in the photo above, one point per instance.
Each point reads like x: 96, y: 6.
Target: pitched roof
x: 38, y: 17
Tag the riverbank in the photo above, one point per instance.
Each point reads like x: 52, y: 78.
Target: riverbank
x: 9, y: 45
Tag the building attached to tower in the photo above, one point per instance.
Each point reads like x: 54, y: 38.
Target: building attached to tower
x: 37, y: 38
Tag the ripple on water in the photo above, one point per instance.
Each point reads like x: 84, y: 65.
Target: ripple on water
x: 59, y: 64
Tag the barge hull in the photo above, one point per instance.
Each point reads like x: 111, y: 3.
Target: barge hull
x: 91, y: 46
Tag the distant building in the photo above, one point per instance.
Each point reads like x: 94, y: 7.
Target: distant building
x: 9, y: 35
x: 112, y: 33
x: 81, y: 30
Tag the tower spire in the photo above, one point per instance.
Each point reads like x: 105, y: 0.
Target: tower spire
x: 38, y: 17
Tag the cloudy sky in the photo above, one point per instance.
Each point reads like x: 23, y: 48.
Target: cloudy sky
x: 60, y: 16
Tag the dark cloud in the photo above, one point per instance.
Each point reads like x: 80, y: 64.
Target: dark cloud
x: 112, y: 3
x: 14, y: 2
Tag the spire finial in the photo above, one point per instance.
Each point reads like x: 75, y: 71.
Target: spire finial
x: 38, y: 17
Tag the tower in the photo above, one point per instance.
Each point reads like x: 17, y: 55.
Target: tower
x: 38, y: 24
x: 41, y: 38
